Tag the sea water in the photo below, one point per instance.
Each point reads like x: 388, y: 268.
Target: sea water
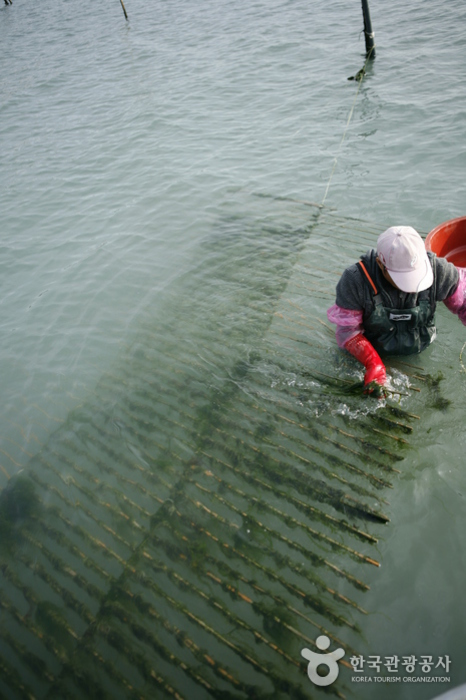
x: 126, y: 146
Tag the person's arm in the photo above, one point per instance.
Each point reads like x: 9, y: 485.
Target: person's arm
x: 348, y: 322
x: 365, y: 352
x: 350, y: 330
x: 347, y: 311
x: 456, y: 302
x: 349, y: 335
x: 451, y: 286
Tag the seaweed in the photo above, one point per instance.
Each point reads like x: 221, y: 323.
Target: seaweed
x: 50, y: 620
x: 436, y: 400
x: 19, y: 505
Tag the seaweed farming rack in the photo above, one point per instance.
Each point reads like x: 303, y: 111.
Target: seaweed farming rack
x: 215, y: 503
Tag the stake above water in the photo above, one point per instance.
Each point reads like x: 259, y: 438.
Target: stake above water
x: 368, y: 33
x: 124, y: 10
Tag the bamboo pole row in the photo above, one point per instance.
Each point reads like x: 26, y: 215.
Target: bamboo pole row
x: 280, y: 558
x: 34, y: 663
x: 316, y: 603
x: 125, y: 646
x: 289, y: 520
x: 166, y: 403
x: 279, y: 401
x: 334, y: 544
x: 371, y: 513
x: 306, y: 508
x: 327, y: 381
x: 93, y: 542
x: 406, y: 428
x: 336, y: 382
x: 293, y: 457
x: 235, y: 620
x: 14, y: 680
x: 286, y: 473
x: 364, y: 442
x: 136, y: 471
x: 59, y: 537
x: 104, y: 486
x: 314, y: 449
x: 311, y: 577
x: 300, y: 475
x: 145, y: 635
x: 89, y: 514
x: 242, y: 651
x: 64, y: 569
x: 76, y: 670
x: 181, y: 550
x: 318, y: 435
x: 68, y: 598
x: 295, y: 410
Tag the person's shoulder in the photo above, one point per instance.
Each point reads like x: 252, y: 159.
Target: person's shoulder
x: 441, y: 264
x: 351, y: 272
x: 351, y: 276
x: 350, y: 288
x: 446, y: 277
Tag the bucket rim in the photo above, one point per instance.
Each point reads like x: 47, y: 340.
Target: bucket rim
x: 434, y: 231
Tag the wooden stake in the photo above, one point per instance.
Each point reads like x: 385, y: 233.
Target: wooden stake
x: 124, y: 10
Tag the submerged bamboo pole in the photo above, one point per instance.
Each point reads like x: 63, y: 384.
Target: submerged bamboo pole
x: 33, y: 663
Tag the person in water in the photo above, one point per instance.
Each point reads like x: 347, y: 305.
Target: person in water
x: 385, y: 303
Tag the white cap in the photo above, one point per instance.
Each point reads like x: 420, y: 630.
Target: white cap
x: 402, y: 251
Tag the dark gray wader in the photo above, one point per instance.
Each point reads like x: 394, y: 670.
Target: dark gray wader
x: 398, y: 331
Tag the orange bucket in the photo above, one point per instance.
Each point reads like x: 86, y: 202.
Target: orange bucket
x: 448, y: 240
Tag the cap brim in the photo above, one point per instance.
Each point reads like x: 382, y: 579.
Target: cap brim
x: 414, y: 280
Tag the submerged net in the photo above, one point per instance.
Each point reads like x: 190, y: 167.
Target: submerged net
x: 214, y: 505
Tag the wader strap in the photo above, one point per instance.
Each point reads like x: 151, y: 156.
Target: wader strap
x: 367, y: 278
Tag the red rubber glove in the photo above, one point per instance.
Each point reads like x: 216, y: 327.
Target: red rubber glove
x: 365, y: 352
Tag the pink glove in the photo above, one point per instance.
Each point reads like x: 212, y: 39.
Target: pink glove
x: 365, y: 352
